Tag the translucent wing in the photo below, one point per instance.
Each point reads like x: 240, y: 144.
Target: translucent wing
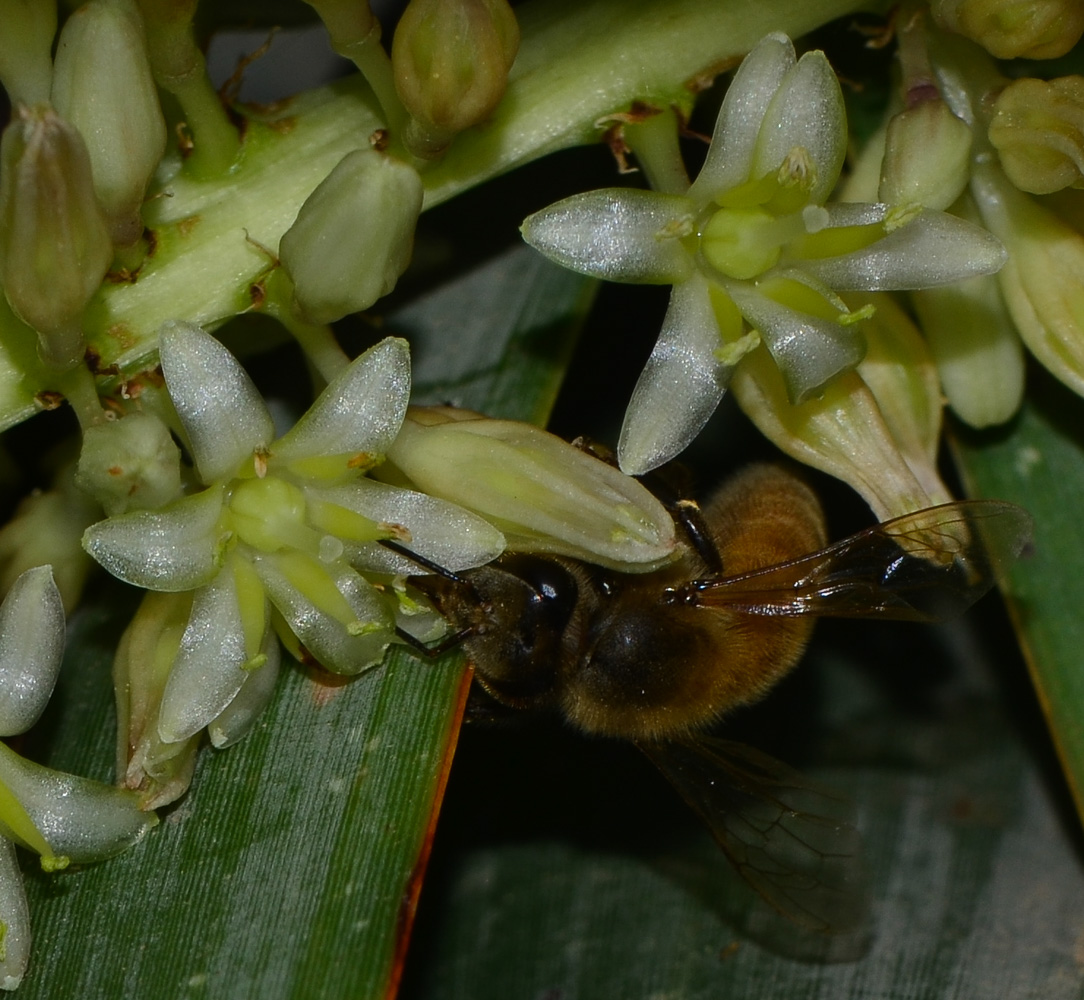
x: 926, y: 566
x: 792, y: 840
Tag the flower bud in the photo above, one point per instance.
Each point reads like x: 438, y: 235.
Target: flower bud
x: 26, y: 45
x: 348, y: 22
x: 130, y: 464
x: 927, y: 157
x: 1043, y: 281
x: 353, y: 236
x: 543, y: 493
x: 54, y: 245
x: 102, y: 84
x: 451, y: 60
x: 47, y: 529
x: 976, y: 348
x: 1038, y: 129
x: 1034, y: 29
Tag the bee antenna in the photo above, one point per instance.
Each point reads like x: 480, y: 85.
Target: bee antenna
x: 421, y: 561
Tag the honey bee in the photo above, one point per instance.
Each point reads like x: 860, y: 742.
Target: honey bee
x: 658, y: 658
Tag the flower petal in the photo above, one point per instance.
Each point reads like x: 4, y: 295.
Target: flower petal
x: 809, y: 350
x: 173, y: 549
x: 360, y: 412
x: 31, y: 648
x: 209, y: 668
x: 222, y: 412
x: 240, y: 715
x: 14, y: 917
x: 617, y: 234
x: 314, y: 606
x: 680, y: 386
x: 807, y: 111
x: 934, y: 248
x: 543, y: 493
x: 440, y: 531
x: 81, y: 819
x: 730, y: 155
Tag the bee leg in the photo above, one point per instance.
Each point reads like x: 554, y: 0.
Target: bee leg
x: 422, y: 561
x: 442, y: 647
x: 688, y: 515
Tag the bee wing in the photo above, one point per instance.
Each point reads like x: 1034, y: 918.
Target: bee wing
x: 791, y: 839
x: 927, y: 566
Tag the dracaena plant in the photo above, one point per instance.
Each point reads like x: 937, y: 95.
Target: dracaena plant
x: 131, y: 228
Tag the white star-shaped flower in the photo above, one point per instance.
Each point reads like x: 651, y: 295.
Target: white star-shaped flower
x: 291, y: 522
x: 753, y: 252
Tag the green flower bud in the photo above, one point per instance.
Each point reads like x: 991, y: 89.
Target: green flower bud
x: 54, y: 244
x: 354, y: 235
x: 102, y: 84
x: 130, y: 464
x: 174, y: 56
x: 927, y: 157
x: 544, y: 494
x: 451, y: 60
x: 1038, y: 129
x: 1034, y: 29
x: 348, y: 22
x: 26, y: 45
x: 47, y: 529
x: 1043, y: 281
x: 976, y: 348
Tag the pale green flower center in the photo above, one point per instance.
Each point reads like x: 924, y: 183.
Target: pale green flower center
x: 744, y: 242
x: 273, y: 515
x: 746, y: 235
x: 269, y: 514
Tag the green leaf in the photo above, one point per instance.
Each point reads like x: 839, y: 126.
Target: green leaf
x: 1039, y: 463
x: 292, y: 867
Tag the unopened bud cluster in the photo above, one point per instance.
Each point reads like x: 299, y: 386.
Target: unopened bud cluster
x: 451, y: 60
x: 1008, y: 29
